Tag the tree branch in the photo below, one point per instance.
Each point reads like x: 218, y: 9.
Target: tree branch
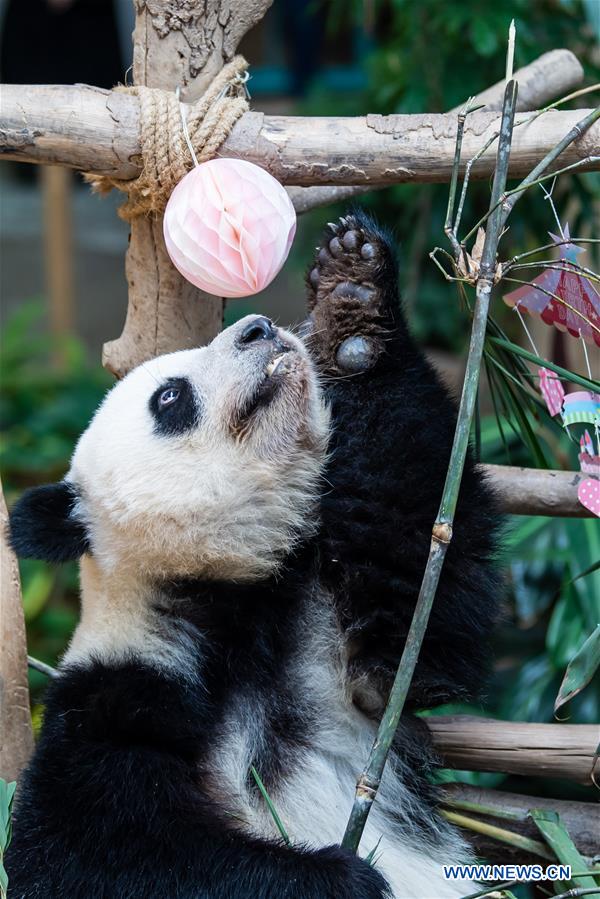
x: 16, y: 735
x: 535, y: 750
x: 534, y: 491
x: 95, y: 130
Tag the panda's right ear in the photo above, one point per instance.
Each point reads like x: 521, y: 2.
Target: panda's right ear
x: 42, y: 524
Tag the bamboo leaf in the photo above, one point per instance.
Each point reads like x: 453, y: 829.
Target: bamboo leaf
x: 564, y: 373
x: 270, y: 806
x: 557, y: 837
x: 7, y: 793
x: 580, y: 669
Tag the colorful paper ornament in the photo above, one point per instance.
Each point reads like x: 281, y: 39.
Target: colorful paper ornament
x: 588, y: 494
x: 552, y: 390
x: 581, y: 407
x: 228, y: 227
x: 577, y: 309
x: 586, y: 445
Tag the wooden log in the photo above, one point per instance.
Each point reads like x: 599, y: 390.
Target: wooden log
x: 539, y: 750
x: 98, y: 131
x: 175, y: 44
x: 16, y: 735
x: 552, y: 75
x: 533, y: 491
x: 582, y: 819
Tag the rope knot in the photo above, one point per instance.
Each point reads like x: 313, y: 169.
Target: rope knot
x: 166, y: 157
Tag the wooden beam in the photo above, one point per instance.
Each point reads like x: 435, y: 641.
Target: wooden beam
x: 98, y: 131
x: 533, y: 491
x: 16, y: 735
x: 535, y: 750
x: 582, y: 819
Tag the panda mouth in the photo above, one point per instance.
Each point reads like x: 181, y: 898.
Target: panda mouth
x: 267, y: 388
x: 274, y: 364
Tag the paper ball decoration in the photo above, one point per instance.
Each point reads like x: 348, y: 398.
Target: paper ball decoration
x: 228, y: 227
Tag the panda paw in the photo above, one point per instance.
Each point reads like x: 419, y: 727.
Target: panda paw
x: 352, y: 296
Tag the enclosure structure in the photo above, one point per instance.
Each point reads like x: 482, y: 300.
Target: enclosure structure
x: 185, y: 44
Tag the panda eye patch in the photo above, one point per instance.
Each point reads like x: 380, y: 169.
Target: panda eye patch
x: 175, y: 408
x: 168, y: 396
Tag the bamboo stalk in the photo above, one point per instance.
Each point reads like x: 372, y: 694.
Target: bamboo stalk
x: 516, y: 840
x: 370, y: 779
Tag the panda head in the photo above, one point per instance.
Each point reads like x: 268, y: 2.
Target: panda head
x: 202, y: 463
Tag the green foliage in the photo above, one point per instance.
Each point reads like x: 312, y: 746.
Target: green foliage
x: 7, y: 792
x: 45, y: 405
x: 429, y: 57
x: 580, y: 670
x: 557, y: 837
x: 269, y: 803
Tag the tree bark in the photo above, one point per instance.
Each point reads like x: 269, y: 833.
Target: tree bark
x: 16, y: 735
x: 539, y: 750
x: 175, y: 44
x: 533, y: 491
x: 98, y: 131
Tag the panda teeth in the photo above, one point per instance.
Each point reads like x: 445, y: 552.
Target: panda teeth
x: 274, y: 364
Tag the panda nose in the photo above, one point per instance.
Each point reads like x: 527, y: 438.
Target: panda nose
x: 260, y: 328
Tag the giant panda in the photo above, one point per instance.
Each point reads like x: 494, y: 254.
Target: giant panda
x: 252, y: 520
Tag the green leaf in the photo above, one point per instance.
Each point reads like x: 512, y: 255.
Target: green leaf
x: 580, y: 669
x: 557, y: 837
x: 7, y: 793
x: 483, y: 36
x: 566, y: 630
x: 594, y: 386
x: 270, y: 806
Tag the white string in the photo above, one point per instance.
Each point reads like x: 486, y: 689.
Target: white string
x: 184, y: 127
x: 548, y: 196
x: 589, y: 371
x: 518, y: 311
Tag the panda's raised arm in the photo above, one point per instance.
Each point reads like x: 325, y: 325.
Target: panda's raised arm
x: 392, y: 428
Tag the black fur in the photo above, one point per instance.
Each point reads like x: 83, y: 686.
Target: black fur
x: 122, y: 800
x: 180, y: 416
x: 393, y: 426
x: 42, y: 524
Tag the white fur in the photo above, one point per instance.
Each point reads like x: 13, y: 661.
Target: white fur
x: 315, y: 798
x: 227, y: 500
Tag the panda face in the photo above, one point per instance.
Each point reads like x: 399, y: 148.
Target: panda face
x: 204, y: 462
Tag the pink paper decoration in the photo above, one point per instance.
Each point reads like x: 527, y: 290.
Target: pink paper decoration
x: 228, y: 227
x: 575, y: 304
x: 552, y: 390
x: 585, y: 443
x: 588, y: 494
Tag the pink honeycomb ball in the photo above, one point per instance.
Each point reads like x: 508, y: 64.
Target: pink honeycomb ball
x: 228, y: 227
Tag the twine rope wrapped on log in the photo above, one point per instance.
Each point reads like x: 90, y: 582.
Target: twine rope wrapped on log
x: 166, y: 157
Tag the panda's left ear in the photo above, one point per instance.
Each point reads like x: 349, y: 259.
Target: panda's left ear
x: 42, y: 524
